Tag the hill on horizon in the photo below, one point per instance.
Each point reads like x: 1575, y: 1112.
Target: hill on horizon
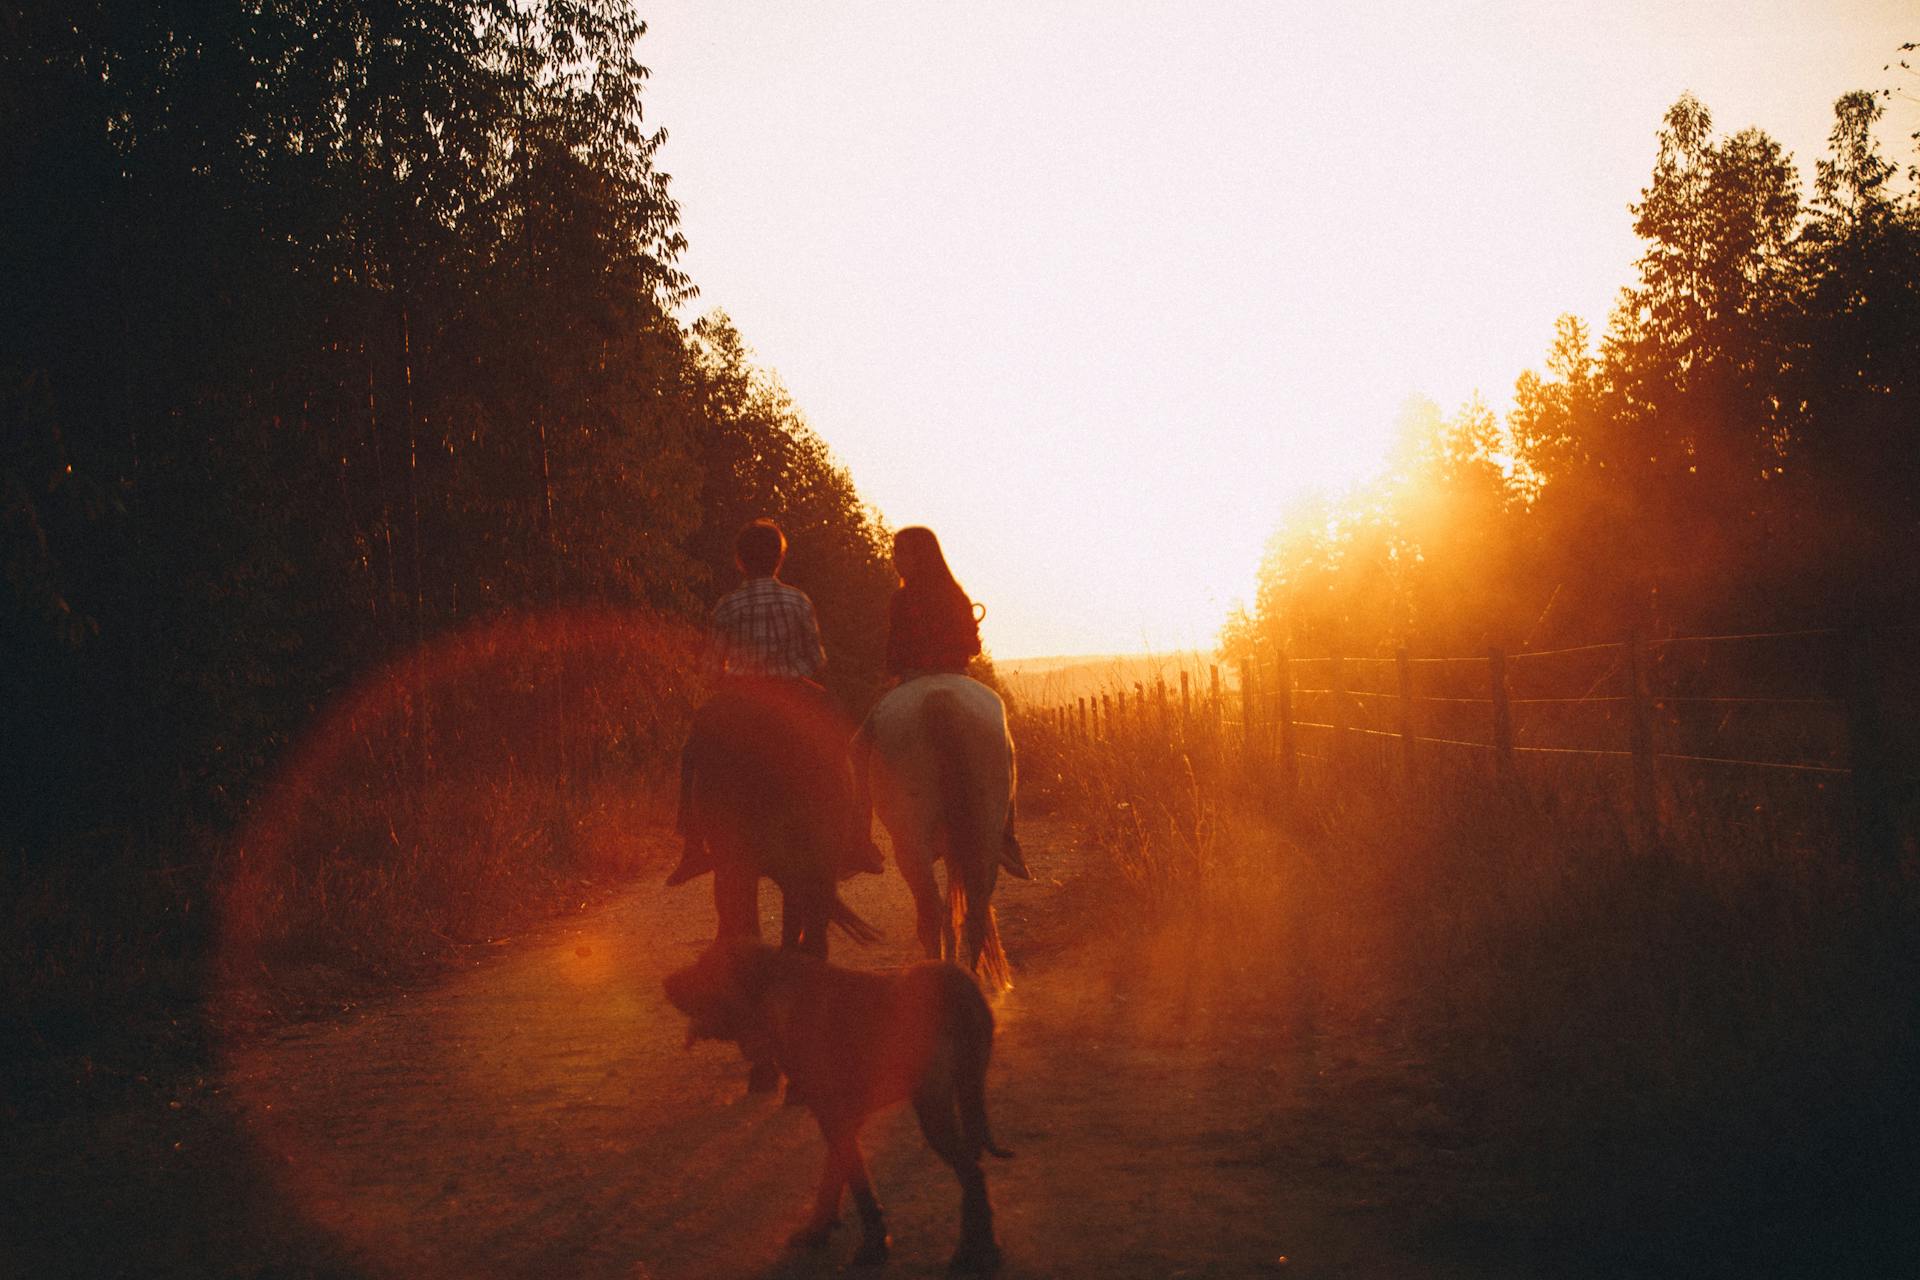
x: 1051, y: 681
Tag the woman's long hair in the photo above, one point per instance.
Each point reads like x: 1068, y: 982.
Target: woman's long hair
x: 922, y: 565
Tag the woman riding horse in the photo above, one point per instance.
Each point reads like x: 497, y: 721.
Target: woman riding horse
x: 933, y: 626
x: 944, y: 759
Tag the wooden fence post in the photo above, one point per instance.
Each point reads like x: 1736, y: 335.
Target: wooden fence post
x: 1214, y: 669
x: 1646, y: 814
x: 1405, y: 666
x: 1186, y: 705
x: 1283, y: 698
x: 1502, y: 713
x: 1876, y: 830
x: 1246, y: 707
x: 1160, y: 700
x: 1120, y: 704
x: 1085, y: 729
x: 1106, y: 716
x: 1342, y: 712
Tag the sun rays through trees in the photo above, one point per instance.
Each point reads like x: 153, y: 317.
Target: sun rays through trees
x: 1737, y: 450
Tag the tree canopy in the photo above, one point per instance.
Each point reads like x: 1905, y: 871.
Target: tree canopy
x: 1740, y: 448
x: 331, y: 327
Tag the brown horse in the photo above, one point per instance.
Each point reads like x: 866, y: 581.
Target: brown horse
x: 771, y: 795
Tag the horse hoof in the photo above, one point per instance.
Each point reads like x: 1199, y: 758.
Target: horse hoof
x: 975, y: 1258
x: 812, y: 1236
x: 873, y: 1251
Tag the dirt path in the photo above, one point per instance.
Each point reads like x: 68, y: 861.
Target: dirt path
x: 536, y: 1115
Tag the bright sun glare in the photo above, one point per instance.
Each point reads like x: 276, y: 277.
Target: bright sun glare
x: 1097, y: 293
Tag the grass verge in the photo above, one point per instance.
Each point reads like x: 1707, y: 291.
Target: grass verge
x: 1686, y: 1060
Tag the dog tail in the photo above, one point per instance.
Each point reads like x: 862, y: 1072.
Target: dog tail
x: 970, y: 1071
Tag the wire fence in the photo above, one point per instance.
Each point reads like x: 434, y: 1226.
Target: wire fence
x: 1810, y: 706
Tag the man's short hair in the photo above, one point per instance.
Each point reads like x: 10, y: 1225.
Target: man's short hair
x: 760, y: 547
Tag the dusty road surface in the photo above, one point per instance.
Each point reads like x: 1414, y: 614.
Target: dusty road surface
x: 536, y: 1114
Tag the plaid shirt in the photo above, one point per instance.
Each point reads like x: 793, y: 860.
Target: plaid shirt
x: 766, y: 628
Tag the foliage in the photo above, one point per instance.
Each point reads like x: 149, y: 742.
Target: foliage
x: 1737, y: 452
x: 336, y: 334
x: 332, y: 328
x: 1598, y: 1025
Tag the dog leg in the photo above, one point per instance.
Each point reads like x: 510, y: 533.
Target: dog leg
x: 826, y: 1201
x: 939, y: 1116
x: 875, y: 1243
x: 977, y: 1251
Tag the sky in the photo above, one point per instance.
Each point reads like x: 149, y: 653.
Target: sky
x: 1096, y: 290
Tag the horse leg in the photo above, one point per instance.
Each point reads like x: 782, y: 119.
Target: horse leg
x: 804, y: 913
x: 864, y: 852
x: 949, y: 943
x: 789, y: 922
x: 930, y: 916
x: 736, y: 899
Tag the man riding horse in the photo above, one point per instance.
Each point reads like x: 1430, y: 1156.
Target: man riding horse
x: 764, y: 783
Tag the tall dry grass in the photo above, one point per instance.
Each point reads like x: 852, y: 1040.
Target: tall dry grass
x: 1688, y: 1059
x: 446, y: 799
x: 461, y: 793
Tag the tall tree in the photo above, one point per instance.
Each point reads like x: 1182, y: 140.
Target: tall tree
x: 331, y: 325
x: 1858, y: 372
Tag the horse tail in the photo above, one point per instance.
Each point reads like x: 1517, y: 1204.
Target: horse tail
x: 991, y: 964
x: 953, y: 777
x: 969, y: 850
x: 849, y: 920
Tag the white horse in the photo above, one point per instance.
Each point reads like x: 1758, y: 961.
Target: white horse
x: 943, y: 779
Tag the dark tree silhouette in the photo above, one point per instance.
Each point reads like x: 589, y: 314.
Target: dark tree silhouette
x: 330, y: 327
x: 1738, y: 451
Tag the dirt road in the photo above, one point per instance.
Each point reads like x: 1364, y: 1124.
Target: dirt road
x: 535, y: 1114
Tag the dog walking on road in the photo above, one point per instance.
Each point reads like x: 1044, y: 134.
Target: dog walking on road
x: 851, y: 1043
